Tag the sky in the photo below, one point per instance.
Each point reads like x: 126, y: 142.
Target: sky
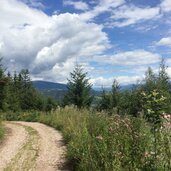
x: 111, y: 39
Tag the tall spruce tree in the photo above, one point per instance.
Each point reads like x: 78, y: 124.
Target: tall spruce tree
x: 149, y: 81
x: 163, y: 81
x: 3, y: 82
x: 115, y: 94
x: 163, y: 85
x: 109, y: 100
x: 79, y: 89
x: 105, y: 102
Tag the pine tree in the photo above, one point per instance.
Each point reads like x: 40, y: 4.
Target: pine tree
x: 3, y: 82
x: 149, y: 81
x: 105, y: 102
x: 79, y: 89
x: 115, y: 94
x: 163, y: 84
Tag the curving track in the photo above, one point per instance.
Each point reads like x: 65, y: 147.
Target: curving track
x: 32, y: 147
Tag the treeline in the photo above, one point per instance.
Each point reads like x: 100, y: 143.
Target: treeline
x: 18, y: 94
x: 131, y: 102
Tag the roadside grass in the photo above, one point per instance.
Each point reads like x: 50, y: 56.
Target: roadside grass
x: 1, y: 131
x: 99, y: 142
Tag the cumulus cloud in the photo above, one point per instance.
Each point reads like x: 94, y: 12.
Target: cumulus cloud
x: 166, y: 41
x: 166, y: 5
x: 49, y: 45
x: 76, y: 4
x: 41, y: 42
x: 136, y: 57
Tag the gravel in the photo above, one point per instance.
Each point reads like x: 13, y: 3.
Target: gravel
x: 51, y: 154
x: 16, y: 137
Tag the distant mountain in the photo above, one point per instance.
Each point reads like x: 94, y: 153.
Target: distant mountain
x: 127, y: 87
x: 45, y: 85
x: 58, y: 90
x: 122, y: 88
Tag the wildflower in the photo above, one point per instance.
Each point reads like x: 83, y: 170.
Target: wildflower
x: 110, y: 129
x: 152, y: 153
x: 146, y: 154
x: 99, y: 137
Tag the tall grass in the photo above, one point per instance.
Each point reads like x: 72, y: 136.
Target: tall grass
x: 1, y: 132
x: 97, y: 142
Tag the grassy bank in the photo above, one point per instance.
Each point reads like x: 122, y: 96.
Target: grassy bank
x: 1, y: 132
x: 101, y: 143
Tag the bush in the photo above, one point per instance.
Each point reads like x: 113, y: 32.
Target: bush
x: 29, y: 116
x: 98, y: 142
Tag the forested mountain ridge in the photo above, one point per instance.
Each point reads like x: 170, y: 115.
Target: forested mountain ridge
x: 46, y: 85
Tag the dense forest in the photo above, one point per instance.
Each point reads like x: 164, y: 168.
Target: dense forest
x: 119, y: 130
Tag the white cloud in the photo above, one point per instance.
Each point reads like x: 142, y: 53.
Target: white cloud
x: 58, y: 73
x: 77, y: 39
x: 101, y: 7
x: 166, y: 5
x: 41, y: 43
x: 128, y: 15
x: 169, y: 71
x: 136, y: 57
x: 107, y: 82
x: 121, y: 14
x: 34, y: 3
x: 166, y: 41
x: 76, y: 4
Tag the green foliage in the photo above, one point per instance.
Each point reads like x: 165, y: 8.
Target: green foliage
x: 1, y: 132
x: 96, y: 141
x: 110, y: 100
x: 17, y: 94
x: 153, y: 107
x: 29, y: 116
x: 78, y: 89
x: 50, y: 104
x: 130, y: 103
x: 105, y: 101
x: 3, y: 82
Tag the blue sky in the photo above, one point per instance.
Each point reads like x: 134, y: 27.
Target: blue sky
x: 109, y: 38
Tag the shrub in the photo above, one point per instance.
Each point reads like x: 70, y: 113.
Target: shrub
x: 29, y: 116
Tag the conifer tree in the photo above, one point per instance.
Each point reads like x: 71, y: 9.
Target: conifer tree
x: 79, y: 89
x: 115, y: 94
x: 149, y: 81
x: 163, y: 84
x: 3, y: 82
x: 105, y: 101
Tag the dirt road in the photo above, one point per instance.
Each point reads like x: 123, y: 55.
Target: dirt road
x: 32, y: 147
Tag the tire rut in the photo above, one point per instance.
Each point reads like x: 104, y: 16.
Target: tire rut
x: 15, y: 137
x: 32, y: 147
x: 25, y: 159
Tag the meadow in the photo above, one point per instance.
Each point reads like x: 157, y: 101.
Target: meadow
x: 96, y: 141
